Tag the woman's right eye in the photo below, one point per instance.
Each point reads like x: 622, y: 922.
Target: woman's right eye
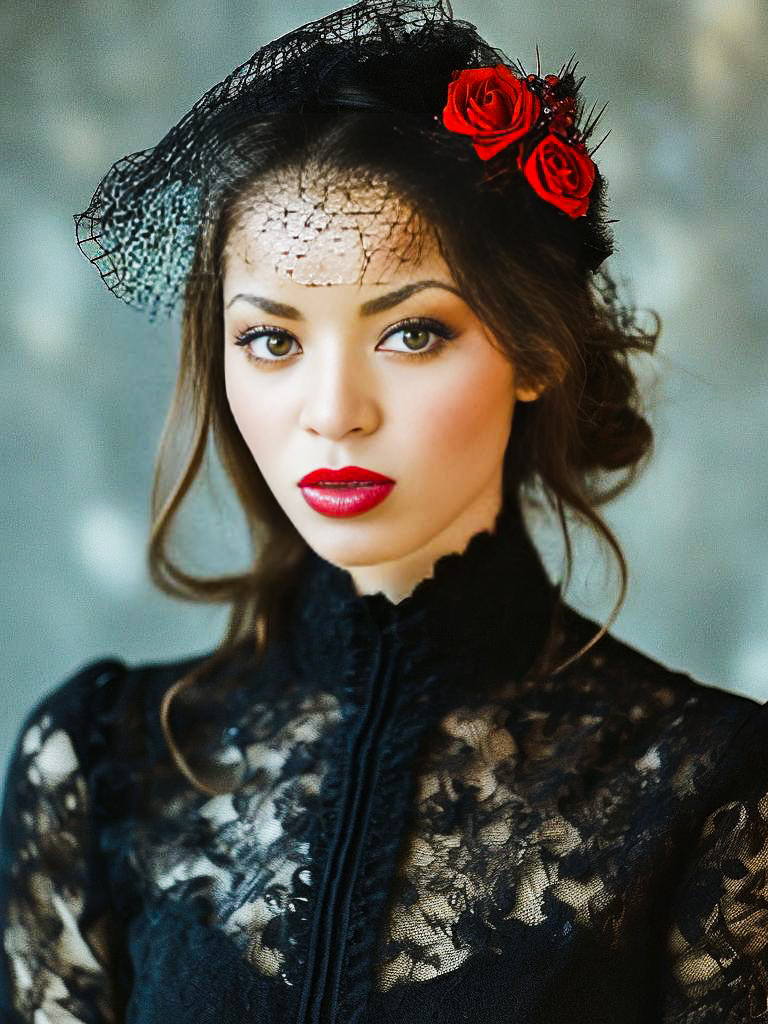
x: 247, y: 338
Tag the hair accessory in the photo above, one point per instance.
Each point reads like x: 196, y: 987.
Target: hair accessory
x: 535, y: 115
x: 393, y: 57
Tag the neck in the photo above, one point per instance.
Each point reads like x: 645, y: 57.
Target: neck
x: 482, y: 615
x: 397, y: 576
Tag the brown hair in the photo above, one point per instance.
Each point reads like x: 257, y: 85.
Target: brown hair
x: 527, y: 276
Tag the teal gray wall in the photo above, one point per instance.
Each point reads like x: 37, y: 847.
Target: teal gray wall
x: 85, y: 381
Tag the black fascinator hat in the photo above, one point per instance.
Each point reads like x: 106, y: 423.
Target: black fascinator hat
x: 406, y: 60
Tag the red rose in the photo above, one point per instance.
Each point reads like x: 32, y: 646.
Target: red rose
x: 491, y: 104
x: 562, y: 173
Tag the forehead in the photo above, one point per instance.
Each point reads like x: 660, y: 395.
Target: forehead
x: 313, y: 228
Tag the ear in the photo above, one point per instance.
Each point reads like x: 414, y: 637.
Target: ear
x: 527, y: 394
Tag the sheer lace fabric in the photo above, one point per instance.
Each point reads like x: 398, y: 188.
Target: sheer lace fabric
x: 56, y: 952
x: 417, y: 828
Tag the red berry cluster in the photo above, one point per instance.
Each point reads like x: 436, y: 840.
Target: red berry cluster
x: 561, y: 110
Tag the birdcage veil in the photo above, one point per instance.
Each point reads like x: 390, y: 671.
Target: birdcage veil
x: 141, y: 226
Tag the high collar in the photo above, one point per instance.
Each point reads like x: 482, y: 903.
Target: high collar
x: 482, y: 615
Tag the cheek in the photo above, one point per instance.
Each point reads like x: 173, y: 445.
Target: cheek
x: 255, y: 411
x: 466, y: 419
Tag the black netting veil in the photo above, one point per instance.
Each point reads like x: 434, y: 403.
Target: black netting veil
x: 393, y: 56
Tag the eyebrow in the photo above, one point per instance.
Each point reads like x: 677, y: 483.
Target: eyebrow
x: 370, y: 308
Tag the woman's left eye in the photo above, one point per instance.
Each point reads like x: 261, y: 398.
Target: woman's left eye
x: 415, y: 332
x: 422, y: 327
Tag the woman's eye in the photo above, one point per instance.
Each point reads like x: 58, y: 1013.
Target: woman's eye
x: 416, y: 334
x: 277, y: 344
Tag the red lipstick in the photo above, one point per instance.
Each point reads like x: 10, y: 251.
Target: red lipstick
x: 344, y: 492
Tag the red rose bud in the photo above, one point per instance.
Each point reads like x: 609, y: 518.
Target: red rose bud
x: 562, y: 173
x: 492, y: 105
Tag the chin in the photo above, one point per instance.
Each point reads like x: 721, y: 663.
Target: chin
x: 360, y: 541
x: 348, y: 550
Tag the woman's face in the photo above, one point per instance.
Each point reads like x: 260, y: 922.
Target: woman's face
x: 346, y: 378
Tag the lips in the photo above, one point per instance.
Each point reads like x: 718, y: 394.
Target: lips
x: 349, y: 491
x: 351, y: 500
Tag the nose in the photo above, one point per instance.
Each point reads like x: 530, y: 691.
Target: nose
x: 338, y: 392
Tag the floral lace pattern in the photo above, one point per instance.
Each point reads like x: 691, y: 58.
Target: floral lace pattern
x: 58, y: 965
x: 393, y: 832
x: 248, y: 852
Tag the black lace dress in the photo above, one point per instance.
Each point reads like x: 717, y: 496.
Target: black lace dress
x: 414, y: 829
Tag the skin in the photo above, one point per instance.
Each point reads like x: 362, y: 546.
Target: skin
x: 339, y: 392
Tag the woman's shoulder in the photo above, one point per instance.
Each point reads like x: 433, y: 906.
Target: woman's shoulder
x: 78, y: 710
x: 700, y: 743
x: 661, y: 712
x: 634, y: 684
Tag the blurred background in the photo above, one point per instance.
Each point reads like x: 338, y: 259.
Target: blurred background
x: 85, y: 381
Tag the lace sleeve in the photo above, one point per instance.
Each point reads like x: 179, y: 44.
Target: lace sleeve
x: 55, y: 924
x: 717, y: 947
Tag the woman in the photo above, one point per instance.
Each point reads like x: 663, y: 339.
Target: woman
x: 411, y: 783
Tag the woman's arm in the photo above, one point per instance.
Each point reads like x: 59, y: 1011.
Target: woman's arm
x: 717, y: 946
x: 55, y: 920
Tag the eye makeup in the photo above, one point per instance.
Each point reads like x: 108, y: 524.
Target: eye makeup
x: 443, y: 334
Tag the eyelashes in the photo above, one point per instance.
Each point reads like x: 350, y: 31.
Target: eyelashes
x: 443, y: 334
